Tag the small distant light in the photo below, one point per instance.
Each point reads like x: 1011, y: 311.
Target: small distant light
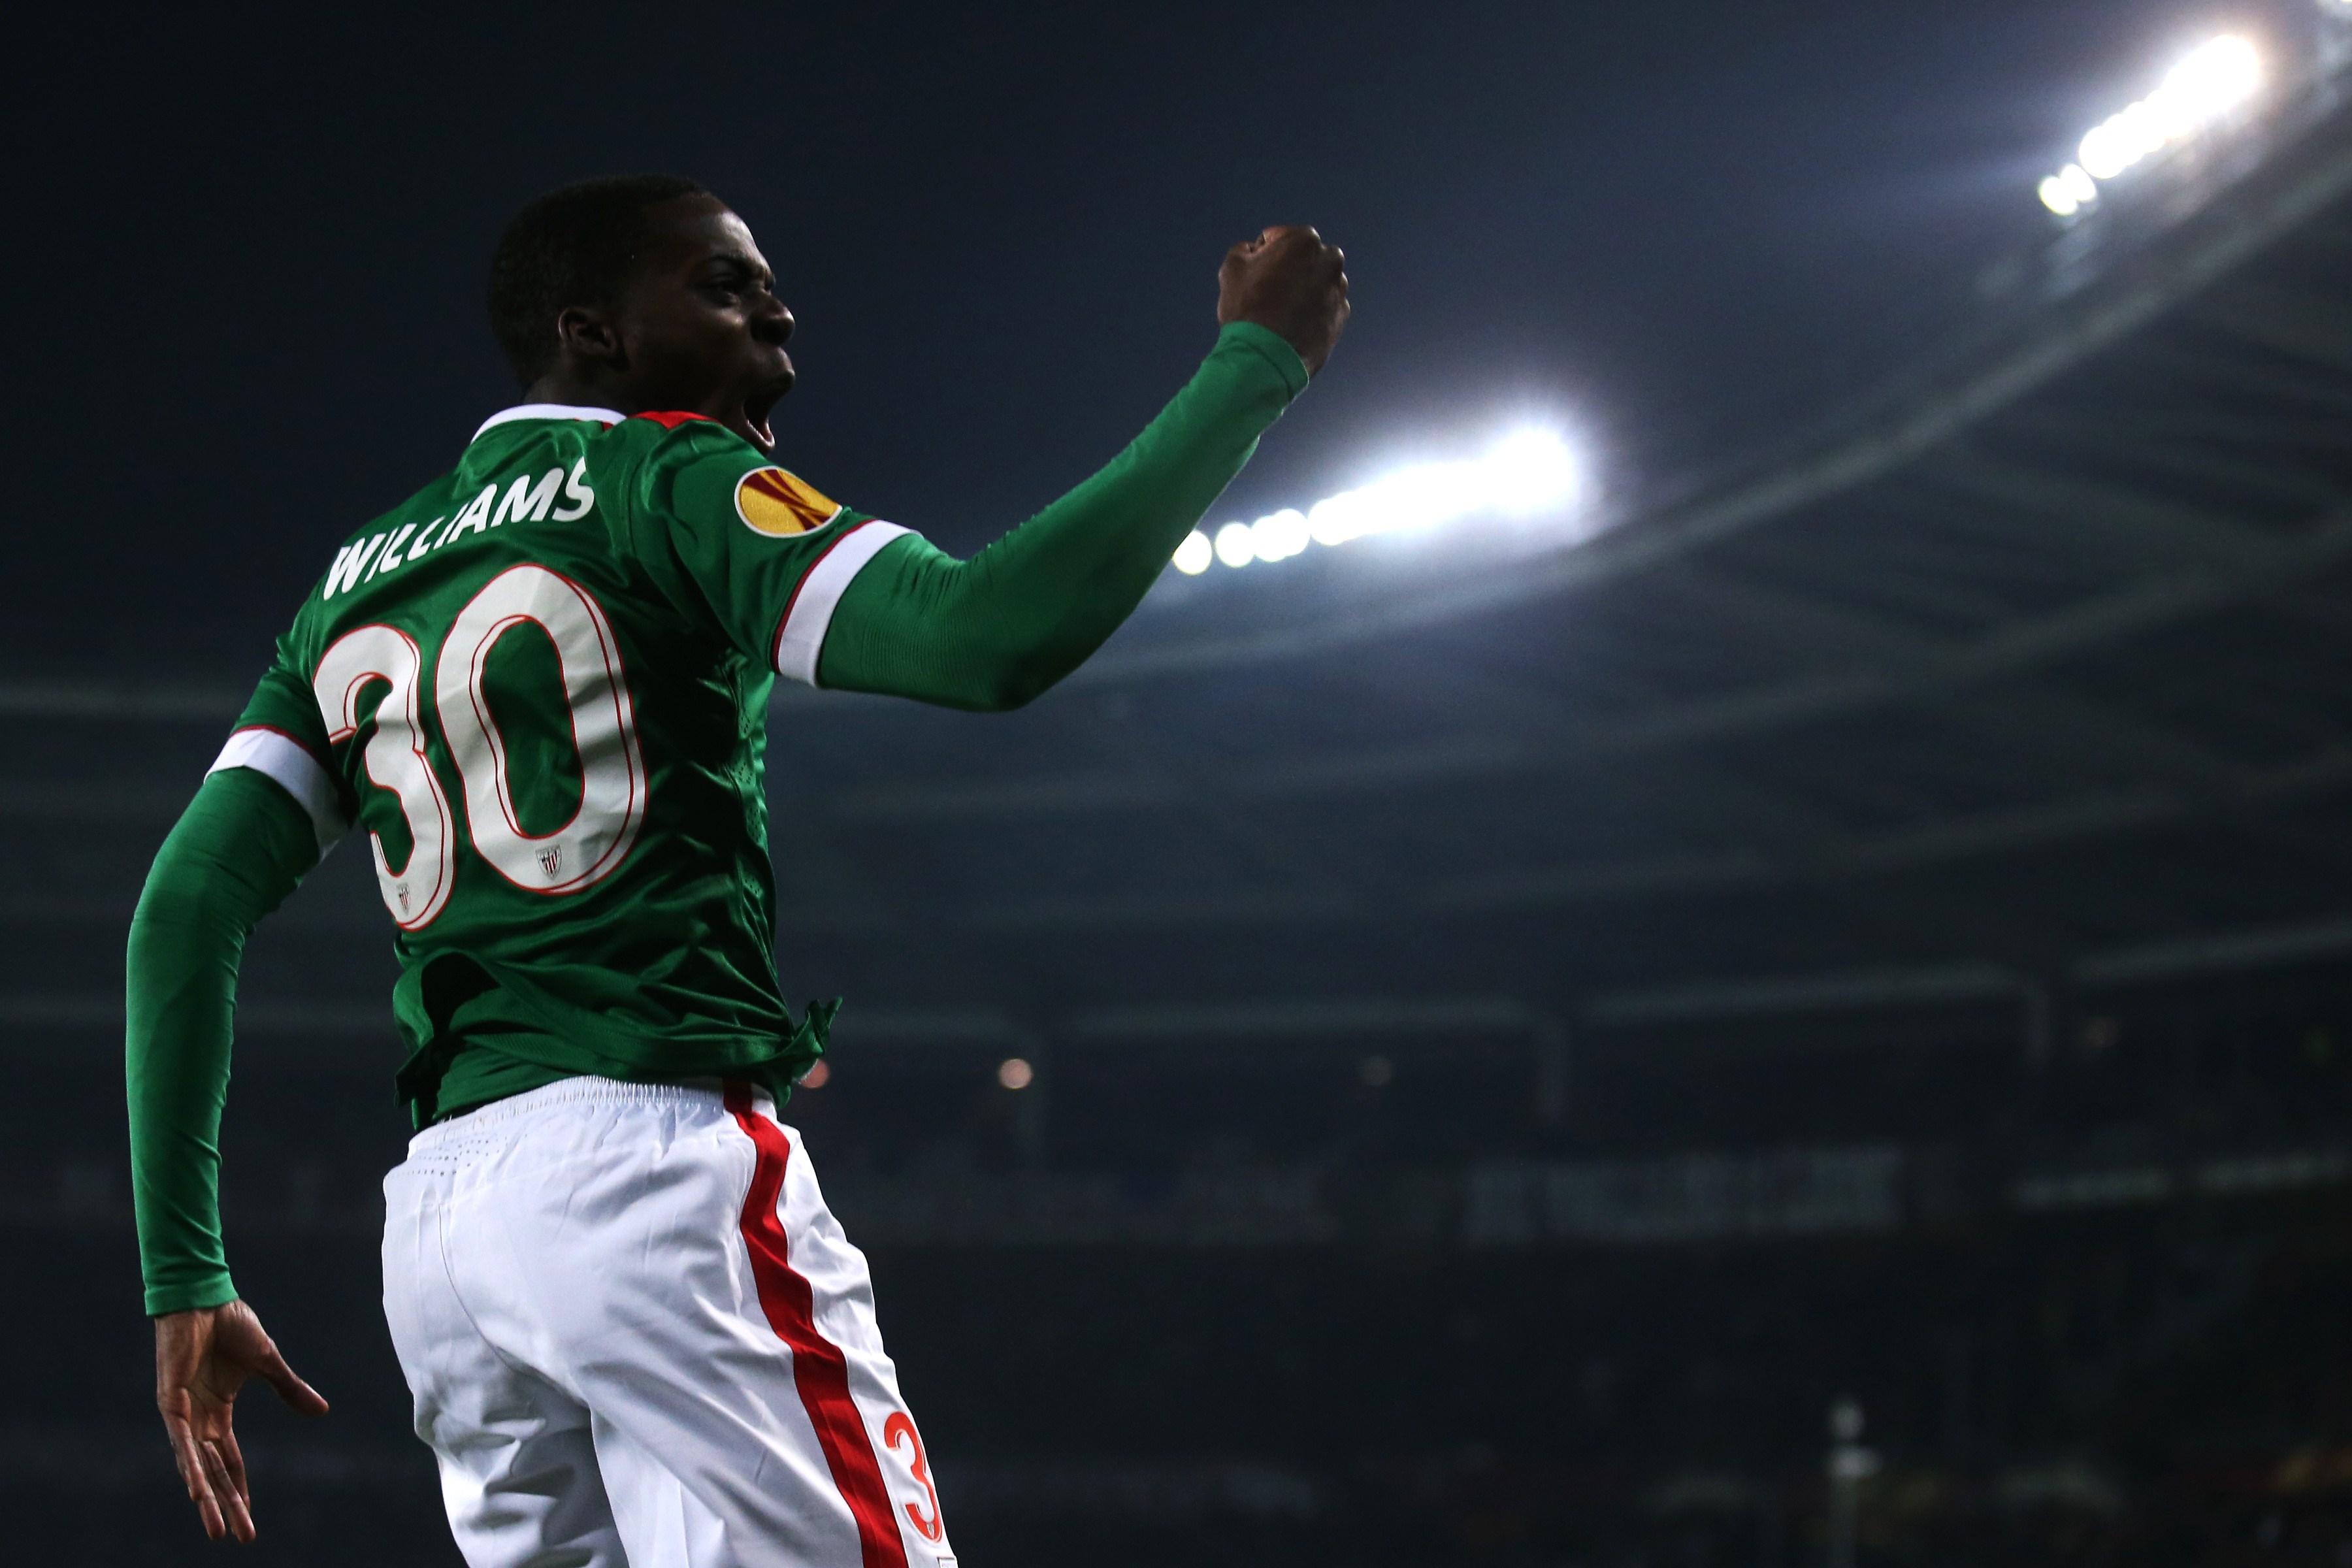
x: 1279, y: 536
x: 1013, y: 1072
x: 1331, y: 520
x: 1192, y: 556
x: 1376, y: 1071
x: 819, y: 1074
x: 1235, y: 544
x: 2069, y: 191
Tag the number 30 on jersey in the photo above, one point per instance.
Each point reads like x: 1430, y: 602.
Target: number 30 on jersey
x: 612, y: 767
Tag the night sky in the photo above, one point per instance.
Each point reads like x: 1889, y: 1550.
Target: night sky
x: 248, y: 259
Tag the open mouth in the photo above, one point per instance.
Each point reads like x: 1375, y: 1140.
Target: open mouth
x: 761, y: 403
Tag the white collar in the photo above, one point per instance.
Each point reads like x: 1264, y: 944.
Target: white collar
x: 549, y: 411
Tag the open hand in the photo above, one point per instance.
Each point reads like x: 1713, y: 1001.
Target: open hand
x: 1289, y: 282
x: 202, y: 1359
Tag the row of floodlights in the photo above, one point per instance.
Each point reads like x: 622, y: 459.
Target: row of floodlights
x: 2195, y: 95
x: 1525, y: 473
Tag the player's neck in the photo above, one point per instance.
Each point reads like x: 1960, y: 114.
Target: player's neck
x: 570, y: 390
x: 566, y: 387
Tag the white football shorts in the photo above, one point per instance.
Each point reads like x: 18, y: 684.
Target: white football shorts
x: 635, y: 1336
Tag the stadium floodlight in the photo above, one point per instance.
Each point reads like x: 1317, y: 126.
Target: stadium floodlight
x: 2195, y: 96
x: 1280, y: 536
x: 1234, y: 545
x: 1527, y: 472
x: 2069, y: 191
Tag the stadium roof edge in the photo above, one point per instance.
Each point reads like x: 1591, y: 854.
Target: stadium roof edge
x: 1851, y: 445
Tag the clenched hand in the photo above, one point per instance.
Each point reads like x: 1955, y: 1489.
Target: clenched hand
x: 1291, y: 283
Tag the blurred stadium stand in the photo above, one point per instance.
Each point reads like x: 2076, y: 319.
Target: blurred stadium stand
x: 1519, y: 1033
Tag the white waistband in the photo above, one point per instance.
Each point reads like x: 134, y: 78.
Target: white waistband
x: 586, y: 1089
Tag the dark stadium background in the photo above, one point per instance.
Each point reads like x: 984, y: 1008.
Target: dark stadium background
x: 1519, y: 1038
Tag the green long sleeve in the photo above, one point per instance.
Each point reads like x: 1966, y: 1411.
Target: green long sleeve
x: 993, y: 631
x: 239, y: 848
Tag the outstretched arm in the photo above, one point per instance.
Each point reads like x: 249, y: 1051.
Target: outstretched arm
x: 242, y: 846
x: 993, y: 631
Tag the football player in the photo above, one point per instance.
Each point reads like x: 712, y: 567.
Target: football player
x: 539, y: 689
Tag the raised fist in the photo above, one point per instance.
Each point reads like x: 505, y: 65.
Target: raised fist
x: 1289, y: 282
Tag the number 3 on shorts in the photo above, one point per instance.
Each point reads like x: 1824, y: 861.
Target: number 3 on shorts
x: 901, y: 1425
x: 603, y: 726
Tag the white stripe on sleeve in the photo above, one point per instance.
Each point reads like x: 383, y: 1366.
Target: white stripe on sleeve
x: 294, y: 770
x: 801, y: 637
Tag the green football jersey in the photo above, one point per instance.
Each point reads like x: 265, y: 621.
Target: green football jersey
x: 540, y: 687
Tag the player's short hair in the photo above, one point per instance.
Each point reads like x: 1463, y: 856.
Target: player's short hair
x: 577, y: 245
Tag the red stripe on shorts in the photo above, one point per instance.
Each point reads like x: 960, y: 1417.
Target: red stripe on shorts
x: 819, y: 1371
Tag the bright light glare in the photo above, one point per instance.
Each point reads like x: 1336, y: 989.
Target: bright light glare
x: 2069, y: 191
x: 2216, y: 79
x: 1531, y: 470
x: 1280, y: 536
x: 1528, y: 471
x: 1234, y: 545
x: 2195, y: 95
x: 1410, y: 497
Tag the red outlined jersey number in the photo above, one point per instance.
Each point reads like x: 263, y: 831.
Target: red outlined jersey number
x: 394, y: 760
x: 901, y: 1425
x: 580, y: 853
x: 603, y: 731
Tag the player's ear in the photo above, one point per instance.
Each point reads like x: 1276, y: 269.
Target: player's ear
x: 587, y: 335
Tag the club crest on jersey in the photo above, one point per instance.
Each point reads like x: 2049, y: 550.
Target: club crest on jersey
x: 550, y: 860
x: 779, y: 504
